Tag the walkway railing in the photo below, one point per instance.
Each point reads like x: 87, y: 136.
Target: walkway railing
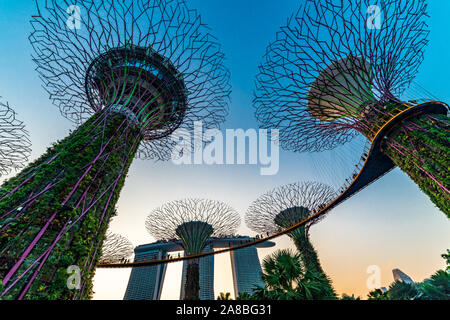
x: 371, y: 167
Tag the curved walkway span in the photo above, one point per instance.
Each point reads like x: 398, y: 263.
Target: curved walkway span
x: 376, y: 164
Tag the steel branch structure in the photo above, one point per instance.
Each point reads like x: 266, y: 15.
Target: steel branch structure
x: 15, y: 146
x: 268, y: 213
x: 323, y: 32
x: 339, y: 69
x: 129, y: 73
x: 116, y: 249
x: 152, y: 60
x: 192, y: 221
x: 368, y: 173
x: 287, y: 206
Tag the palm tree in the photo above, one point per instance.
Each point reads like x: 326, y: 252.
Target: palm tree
x: 310, y: 259
x: 400, y: 290
x: 224, y: 296
x: 262, y: 293
x: 378, y: 294
x: 286, y: 206
x: 245, y: 295
x: 437, y: 287
x: 316, y: 285
x: 282, y: 271
x: 285, y: 279
x: 348, y: 297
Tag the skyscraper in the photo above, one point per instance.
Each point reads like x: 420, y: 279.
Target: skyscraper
x: 128, y: 74
x: 246, y: 270
x: 146, y: 283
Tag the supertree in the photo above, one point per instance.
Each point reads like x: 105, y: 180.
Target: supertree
x: 192, y: 221
x: 137, y: 70
x: 15, y: 146
x: 288, y: 205
x: 116, y: 248
x: 339, y: 69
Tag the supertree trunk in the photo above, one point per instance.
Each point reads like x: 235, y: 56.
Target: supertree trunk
x: 54, y: 214
x: 286, y: 206
x: 420, y: 147
x: 306, y: 250
x: 192, y: 286
x: 310, y: 258
x: 145, y: 68
x: 330, y: 75
x: 193, y: 221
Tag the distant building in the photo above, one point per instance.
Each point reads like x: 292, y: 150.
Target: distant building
x: 246, y: 270
x: 146, y: 283
x: 401, y: 276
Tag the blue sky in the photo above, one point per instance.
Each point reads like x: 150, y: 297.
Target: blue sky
x: 389, y: 224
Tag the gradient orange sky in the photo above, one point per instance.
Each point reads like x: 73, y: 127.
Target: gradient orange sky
x: 375, y: 227
x: 391, y: 223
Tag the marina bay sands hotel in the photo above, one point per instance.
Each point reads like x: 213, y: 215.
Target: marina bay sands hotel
x: 146, y: 283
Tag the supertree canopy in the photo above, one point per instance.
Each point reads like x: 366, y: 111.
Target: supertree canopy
x: 192, y: 221
x: 129, y: 73
x: 339, y: 68
x: 116, y: 249
x: 288, y: 205
x: 15, y: 146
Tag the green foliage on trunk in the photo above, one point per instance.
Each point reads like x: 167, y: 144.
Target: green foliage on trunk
x: 310, y: 258
x: 429, y: 149
x: 285, y: 279
x: 68, y: 160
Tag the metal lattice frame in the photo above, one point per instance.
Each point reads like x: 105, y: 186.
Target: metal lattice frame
x: 166, y: 31
x: 15, y: 146
x: 263, y: 213
x: 138, y: 69
x: 116, y: 249
x: 298, y: 80
x: 163, y: 222
x: 192, y: 221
